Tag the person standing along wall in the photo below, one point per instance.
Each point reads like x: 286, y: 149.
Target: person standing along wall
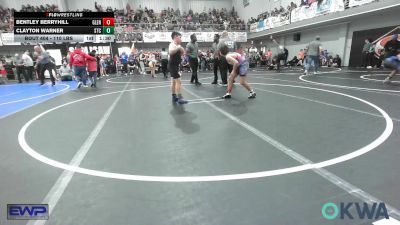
x: 116, y: 63
x: 366, y: 53
x: 152, y: 65
x: 98, y: 65
x: 19, y: 66
x: 124, y: 61
x: 313, y: 52
x: 142, y: 58
x: 192, y: 50
x: 164, y: 62
x: 28, y: 63
x: 103, y: 66
x: 269, y: 57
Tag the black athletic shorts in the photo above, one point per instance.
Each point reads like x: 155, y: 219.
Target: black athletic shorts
x: 174, y: 71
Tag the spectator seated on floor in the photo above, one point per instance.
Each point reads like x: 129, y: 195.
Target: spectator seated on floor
x: 337, y: 62
x: 274, y: 63
x: 329, y: 61
x: 300, y: 56
x: 293, y: 62
x: 263, y: 59
x: 253, y: 61
x: 65, y: 72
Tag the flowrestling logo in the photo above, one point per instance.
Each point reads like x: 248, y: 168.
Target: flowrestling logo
x: 331, y: 211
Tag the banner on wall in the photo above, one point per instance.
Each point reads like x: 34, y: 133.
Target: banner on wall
x: 241, y: 36
x: 125, y: 37
x: 325, y: 7
x: 185, y: 37
x: 267, y: 24
x: 295, y: 15
x: 260, y: 26
x: 232, y: 35
x: 353, y: 3
x: 271, y: 22
x: 304, y: 12
x: 277, y: 21
x: 8, y: 39
x: 311, y: 11
x: 163, y: 36
x: 149, y: 37
x: 201, y: 37
x: 329, y: 6
x: 209, y: 36
x: 253, y: 27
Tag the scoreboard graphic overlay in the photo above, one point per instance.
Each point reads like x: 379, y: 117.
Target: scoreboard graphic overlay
x: 64, y: 27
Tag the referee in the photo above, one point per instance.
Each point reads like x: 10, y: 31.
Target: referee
x: 216, y: 58
x: 224, y: 42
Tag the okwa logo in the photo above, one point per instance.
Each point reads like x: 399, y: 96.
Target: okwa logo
x: 375, y: 211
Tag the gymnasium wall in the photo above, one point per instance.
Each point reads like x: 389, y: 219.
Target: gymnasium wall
x: 332, y: 37
x: 377, y: 21
x: 337, y: 39
x: 358, y: 39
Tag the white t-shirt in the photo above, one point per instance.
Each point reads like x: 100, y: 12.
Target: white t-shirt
x: 27, y: 60
x: 65, y: 70
x: 253, y: 50
x: 152, y: 58
x: 164, y: 55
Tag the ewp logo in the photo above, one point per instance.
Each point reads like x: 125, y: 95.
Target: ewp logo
x: 331, y: 211
x: 27, y: 212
